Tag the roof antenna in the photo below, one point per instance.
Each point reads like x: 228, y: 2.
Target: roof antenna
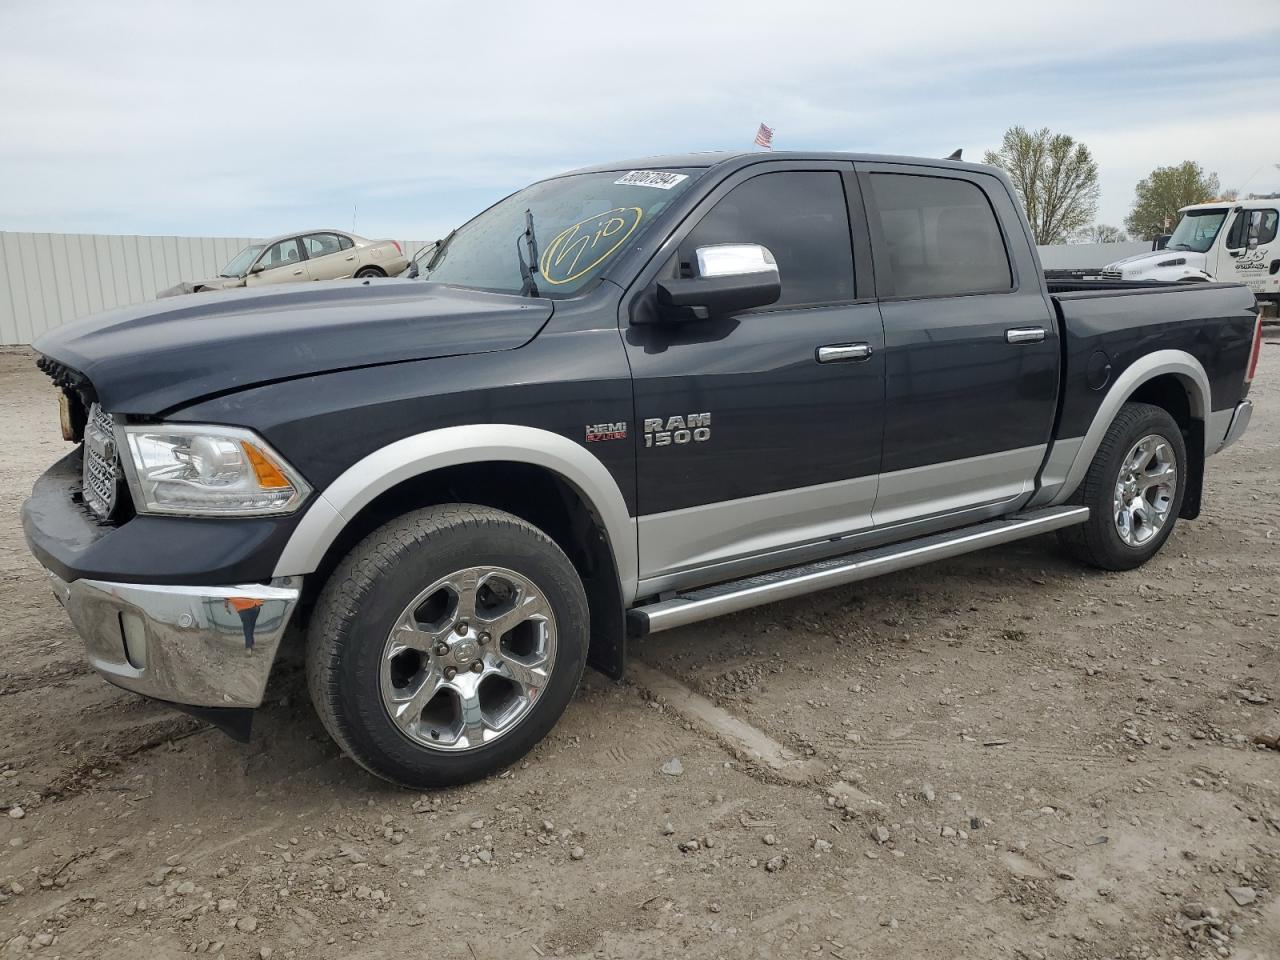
x: 956, y: 154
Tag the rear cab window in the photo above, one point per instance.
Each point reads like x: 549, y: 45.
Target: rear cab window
x: 942, y: 236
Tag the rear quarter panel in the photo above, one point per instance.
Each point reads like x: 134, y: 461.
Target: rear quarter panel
x: 1212, y: 322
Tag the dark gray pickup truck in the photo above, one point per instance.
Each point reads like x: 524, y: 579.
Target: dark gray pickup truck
x: 618, y: 401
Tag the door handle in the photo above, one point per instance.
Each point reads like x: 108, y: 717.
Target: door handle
x: 1025, y: 335
x: 844, y: 352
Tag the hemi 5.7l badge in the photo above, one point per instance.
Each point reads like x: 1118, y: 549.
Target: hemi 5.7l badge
x: 606, y: 431
x: 690, y: 428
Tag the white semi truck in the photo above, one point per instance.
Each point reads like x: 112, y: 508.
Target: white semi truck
x: 1230, y: 240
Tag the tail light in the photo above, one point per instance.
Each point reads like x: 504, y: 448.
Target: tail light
x: 1257, y: 349
x: 396, y: 244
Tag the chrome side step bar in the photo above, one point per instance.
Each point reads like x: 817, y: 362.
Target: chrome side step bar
x: 707, y: 602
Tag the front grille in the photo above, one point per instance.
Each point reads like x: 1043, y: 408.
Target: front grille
x: 101, y: 464
x: 1112, y: 275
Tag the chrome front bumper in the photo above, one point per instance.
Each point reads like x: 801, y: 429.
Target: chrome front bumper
x: 199, y: 646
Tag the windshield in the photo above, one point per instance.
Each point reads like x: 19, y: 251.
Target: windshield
x: 581, y: 222
x: 1196, y: 230
x: 240, y: 262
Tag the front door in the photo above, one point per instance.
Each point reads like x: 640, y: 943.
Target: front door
x: 282, y: 262
x: 971, y: 344
x: 1249, y: 247
x: 760, y: 431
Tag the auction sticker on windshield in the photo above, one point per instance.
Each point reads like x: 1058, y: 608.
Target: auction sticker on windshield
x: 652, y: 178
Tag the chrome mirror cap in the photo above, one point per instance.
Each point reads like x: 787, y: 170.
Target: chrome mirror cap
x: 734, y: 260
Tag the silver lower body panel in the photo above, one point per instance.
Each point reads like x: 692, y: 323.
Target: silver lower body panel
x: 796, y: 581
x: 199, y: 646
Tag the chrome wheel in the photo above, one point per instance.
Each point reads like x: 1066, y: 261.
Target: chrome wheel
x: 1145, y: 490
x: 468, y: 657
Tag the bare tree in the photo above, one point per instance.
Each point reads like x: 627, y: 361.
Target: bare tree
x: 1102, y: 233
x: 1056, y: 179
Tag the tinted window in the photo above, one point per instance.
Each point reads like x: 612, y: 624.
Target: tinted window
x: 345, y: 242
x: 942, y: 236
x: 322, y: 244
x: 281, y: 254
x: 801, y: 218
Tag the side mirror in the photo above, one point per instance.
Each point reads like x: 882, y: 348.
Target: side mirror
x: 732, y: 277
x: 257, y: 268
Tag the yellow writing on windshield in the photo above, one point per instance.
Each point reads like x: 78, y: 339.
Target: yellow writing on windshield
x: 583, y: 246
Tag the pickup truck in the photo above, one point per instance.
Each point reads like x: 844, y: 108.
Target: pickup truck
x: 616, y: 402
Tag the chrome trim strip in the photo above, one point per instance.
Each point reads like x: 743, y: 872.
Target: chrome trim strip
x: 1240, y: 418
x: 413, y: 456
x: 202, y: 646
x: 940, y: 488
x: 784, y: 584
x: 1178, y: 362
x: 716, y: 532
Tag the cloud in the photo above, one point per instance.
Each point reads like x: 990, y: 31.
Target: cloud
x: 242, y: 118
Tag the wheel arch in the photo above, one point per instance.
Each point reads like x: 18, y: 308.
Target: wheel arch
x: 1171, y: 379
x: 540, y: 476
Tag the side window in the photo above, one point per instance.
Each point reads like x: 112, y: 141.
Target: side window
x: 942, y: 236
x: 281, y: 254
x: 1262, y: 225
x: 801, y: 217
x: 344, y: 242
x: 322, y: 244
x: 1235, y: 236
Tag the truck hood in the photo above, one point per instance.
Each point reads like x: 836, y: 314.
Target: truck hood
x: 1147, y: 261
x: 150, y: 358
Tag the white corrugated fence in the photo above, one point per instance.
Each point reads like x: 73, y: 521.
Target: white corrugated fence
x: 47, y: 279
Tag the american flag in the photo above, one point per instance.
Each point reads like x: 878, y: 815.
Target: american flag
x: 764, y: 137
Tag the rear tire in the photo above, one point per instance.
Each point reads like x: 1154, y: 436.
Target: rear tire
x: 1134, y: 490
x: 446, y: 645
x: 365, y: 273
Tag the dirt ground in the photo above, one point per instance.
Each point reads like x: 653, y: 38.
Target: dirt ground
x: 1061, y: 764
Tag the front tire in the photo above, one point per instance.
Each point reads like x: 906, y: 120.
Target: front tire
x: 446, y: 645
x: 1134, y: 490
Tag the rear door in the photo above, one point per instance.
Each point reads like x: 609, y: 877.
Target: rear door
x: 971, y: 344
x: 760, y: 431
x: 327, y: 257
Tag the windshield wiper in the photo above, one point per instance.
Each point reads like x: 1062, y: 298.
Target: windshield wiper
x: 438, y: 252
x: 528, y: 269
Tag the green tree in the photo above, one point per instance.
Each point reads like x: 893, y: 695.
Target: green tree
x: 1166, y: 189
x: 1056, y: 179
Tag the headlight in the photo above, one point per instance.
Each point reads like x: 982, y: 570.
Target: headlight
x: 208, y: 471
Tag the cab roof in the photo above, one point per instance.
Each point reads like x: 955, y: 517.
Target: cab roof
x: 1269, y: 203
x: 733, y: 159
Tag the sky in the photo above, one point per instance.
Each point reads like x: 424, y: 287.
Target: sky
x: 252, y: 119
